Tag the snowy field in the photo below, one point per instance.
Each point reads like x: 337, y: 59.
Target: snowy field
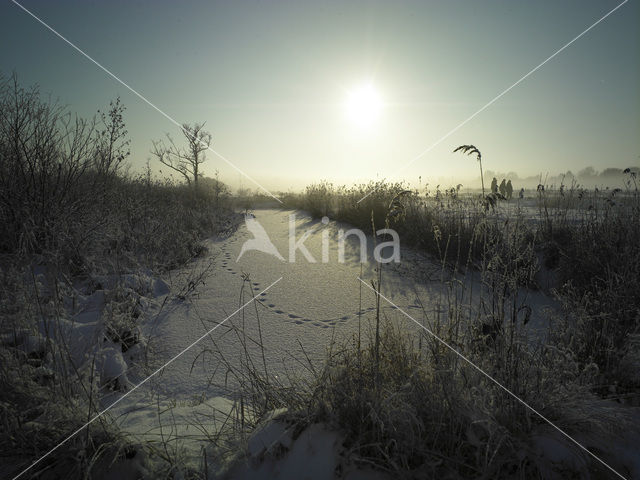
x: 311, y: 305
x: 293, y: 312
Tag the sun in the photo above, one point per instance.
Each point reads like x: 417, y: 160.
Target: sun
x: 363, y: 105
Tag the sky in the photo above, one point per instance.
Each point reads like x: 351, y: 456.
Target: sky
x: 274, y: 82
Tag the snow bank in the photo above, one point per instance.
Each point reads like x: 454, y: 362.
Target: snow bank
x: 316, y: 453
x: 313, y: 455
x: 271, y: 435
x: 112, y: 367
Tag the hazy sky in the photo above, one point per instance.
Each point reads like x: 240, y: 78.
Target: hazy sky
x: 271, y: 79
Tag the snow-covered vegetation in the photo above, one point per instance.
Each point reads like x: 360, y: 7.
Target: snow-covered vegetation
x: 412, y: 407
x: 83, y: 242
x: 107, y: 275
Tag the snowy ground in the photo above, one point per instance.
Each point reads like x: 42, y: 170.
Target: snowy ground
x: 310, y: 305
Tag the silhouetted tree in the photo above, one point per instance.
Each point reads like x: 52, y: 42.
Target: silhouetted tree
x: 503, y: 188
x: 509, y: 189
x: 215, y: 188
x: 588, y: 172
x: 611, y: 172
x: 187, y: 160
x: 112, y: 144
x: 494, y: 185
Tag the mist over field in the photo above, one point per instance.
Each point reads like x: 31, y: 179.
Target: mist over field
x: 610, y: 177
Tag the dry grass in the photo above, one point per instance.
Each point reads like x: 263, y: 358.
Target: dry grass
x: 407, y: 405
x: 413, y: 408
x: 586, y: 239
x: 70, y: 211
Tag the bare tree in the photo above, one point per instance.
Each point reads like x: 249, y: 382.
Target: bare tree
x: 112, y: 143
x: 45, y: 153
x: 185, y: 160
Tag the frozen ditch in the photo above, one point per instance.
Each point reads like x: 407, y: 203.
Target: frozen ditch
x: 309, y: 306
x: 312, y: 304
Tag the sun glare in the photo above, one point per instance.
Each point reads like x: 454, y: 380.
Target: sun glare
x: 363, y: 105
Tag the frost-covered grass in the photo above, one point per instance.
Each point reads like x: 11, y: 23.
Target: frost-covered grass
x: 82, y: 241
x: 408, y: 406
x: 61, y: 352
x: 414, y: 408
x: 584, y: 241
x: 398, y: 401
x: 431, y: 221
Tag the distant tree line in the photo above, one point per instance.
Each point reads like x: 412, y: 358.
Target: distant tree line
x: 588, y: 175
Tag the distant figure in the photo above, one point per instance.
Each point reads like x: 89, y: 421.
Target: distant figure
x: 521, y: 193
x: 509, y: 188
x: 494, y: 185
x: 503, y: 188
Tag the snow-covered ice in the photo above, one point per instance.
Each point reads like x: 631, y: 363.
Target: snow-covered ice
x: 312, y: 304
